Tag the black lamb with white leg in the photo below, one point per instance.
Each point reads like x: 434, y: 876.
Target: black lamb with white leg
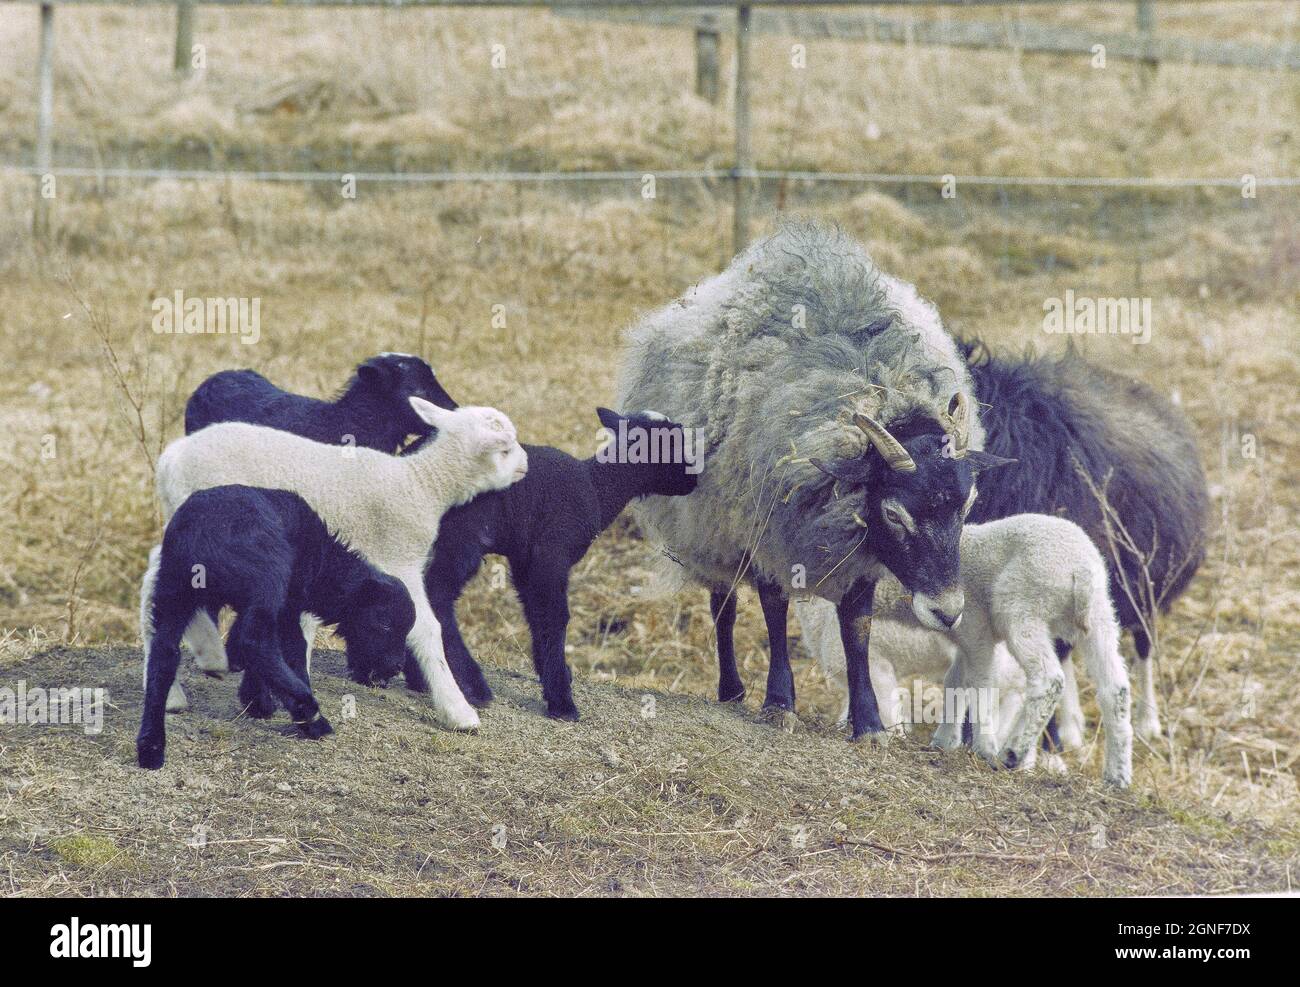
x: 267, y: 555
x: 543, y: 525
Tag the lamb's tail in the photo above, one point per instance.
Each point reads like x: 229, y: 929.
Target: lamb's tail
x: 1084, y: 593
x: 147, y: 586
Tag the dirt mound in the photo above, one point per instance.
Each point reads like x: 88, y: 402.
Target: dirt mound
x: 650, y: 794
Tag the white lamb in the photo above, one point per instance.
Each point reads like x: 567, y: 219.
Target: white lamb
x: 387, y: 508
x: 1029, y: 580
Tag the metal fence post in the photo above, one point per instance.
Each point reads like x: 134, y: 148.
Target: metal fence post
x: 707, y: 43
x: 44, y: 122
x: 184, y: 36
x: 744, y: 154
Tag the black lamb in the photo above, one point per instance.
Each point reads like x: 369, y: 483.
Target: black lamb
x: 373, y: 410
x: 543, y: 525
x: 266, y: 554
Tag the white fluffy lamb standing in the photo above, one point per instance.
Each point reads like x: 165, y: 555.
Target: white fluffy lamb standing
x: 386, y: 508
x: 1029, y: 580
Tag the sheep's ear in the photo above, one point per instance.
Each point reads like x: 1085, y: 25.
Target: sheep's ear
x: 851, y: 473
x: 609, y: 419
x: 429, y: 412
x: 980, y: 461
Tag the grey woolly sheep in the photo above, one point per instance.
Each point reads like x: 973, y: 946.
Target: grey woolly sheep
x: 842, y: 442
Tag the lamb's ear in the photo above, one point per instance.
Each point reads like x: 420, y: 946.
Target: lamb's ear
x: 980, y: 461
x: 429, y: 412
x: 375, y: 373
x: 370, y: 593
x: 609, y: 419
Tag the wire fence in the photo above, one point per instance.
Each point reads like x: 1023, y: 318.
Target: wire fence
x: 707, y: 21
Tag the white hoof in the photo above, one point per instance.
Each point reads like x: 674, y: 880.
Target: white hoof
x: 205, y: 642
x: 176, y: 699
x: 1071, y: 732
x: 459, y: 716
x: 1053, y: 764
x: 1147, y: 724
x: 947, y: 736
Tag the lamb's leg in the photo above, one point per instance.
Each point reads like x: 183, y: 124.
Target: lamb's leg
x: 466, y: 671
x: 256, y: 635
x: 780, y: 678
x: 453, y: 564
x: 979, y: 692
x: 864, y: 714
x: 885, y: 685
x: 1110, y: 676
x: 425, y: 642
x: 722, y: 604
x: 204, y: 641
x: 948, y: 734
x: 254, y: 693
x: 176, y: 700
x: 544, y: 591
x: 1044, y: 680
x: 308, y: 624
x: 1147, y: 714
x: 1070, y: 712
x: 164, y: 657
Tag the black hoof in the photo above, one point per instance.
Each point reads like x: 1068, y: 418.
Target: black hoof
x: 261, y: 708
x: 150, y: 756
x: 315, y: 728
x: 562, y: 711
x: 731, y: 693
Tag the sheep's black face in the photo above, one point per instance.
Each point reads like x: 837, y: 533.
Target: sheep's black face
x: 376, y: 630
x: 914, y: 526
x: 914, y: 519
x: 400, y: 376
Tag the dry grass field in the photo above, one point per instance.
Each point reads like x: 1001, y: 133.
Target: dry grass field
x: 696, y: 799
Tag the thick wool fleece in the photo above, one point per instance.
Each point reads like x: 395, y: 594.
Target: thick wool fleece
x: 772, y: 357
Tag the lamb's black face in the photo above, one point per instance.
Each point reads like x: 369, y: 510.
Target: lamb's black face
x: 381, y: 620
x: 669, y: 455
x: 401, y: 376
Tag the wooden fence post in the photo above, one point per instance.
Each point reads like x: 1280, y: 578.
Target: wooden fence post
x: 184, y: 36
x: 1146, y: 25
x: 707, y: 43
x: 744, y: 154
x: 44, y: 122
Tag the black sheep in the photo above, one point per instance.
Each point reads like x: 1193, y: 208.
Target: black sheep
x: 266, y: 554
x: 372, y: 411
x: 1046, y: 413
x: 543, y: 525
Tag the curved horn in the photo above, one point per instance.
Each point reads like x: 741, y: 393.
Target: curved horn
x: 895, y: 455
x: 957, y: 423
